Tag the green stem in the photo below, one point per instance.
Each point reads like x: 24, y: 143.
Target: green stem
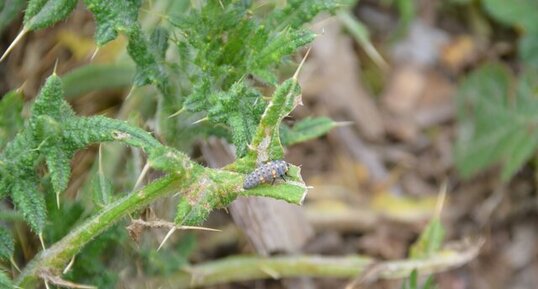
x: 55, y: 257
x: 214, y: 188
x: 244, y: 268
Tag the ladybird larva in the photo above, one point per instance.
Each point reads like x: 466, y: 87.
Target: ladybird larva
x: 265, y: 173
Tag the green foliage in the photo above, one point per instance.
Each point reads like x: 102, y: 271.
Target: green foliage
x: 221, y: 47
x: 306, y: 129
x: 44, y: 13
x: 55, y: 133
x: 5, y: 281
x: 113, y: 17
x: 6, y: 244
x: 412, y: 282
x: 92, y: 263
x: 227, y: 51
x: 429, y: 241
x: 298, y: 12
x: 95, y: 77
x: 10, y: 116
x: 167, y: 261
x: 497, y: 120
x: 9, y: 10
x: 521, y: 14
x: 102, y: 190
x: 266, y: 143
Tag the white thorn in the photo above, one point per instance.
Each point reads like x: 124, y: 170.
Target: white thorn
x: 198, y: 228
x: 14, y: 264
x: 12, y: 45
x: 177, y: 112
x: 68, y: 267
x: 58, y: 199
x: 200, y: 120
x: 130, y: 92
x: 55, y: 67
x: 296, y: 75
x: 166, y: 237
x: 42, y: 242
x: 47, y: 284
x: 141, y: 176
x: 441, y: 199
x: 94, y: 54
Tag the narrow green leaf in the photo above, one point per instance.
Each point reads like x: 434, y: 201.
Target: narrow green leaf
x: 102, y: 190
x: 7, y: 246
x: 44, y: 13
x: 95, y: 77
x: 59, y: 165
x: 429, y: 241
x: 31, y: 203
x: 10, y: 116
x: 306, y: 129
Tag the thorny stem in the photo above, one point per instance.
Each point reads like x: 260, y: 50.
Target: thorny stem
x: 245, y: 268
x: 229, y: 186
x: 55, y: 257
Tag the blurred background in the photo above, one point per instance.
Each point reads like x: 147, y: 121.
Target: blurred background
x: 423, y: 93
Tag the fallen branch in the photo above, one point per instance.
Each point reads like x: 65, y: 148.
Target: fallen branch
x: 246, y: 268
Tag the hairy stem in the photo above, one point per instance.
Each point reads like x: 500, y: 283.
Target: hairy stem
x: 220, y: 186
x: 55, y: 257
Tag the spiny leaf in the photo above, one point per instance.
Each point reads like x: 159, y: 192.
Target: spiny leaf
x: 266, y: 143
x: 44, y: 13
x: 80, y: 132
x: 50, y: 101
x: 102, y: 190
x: 6, y: 244
x: 306, y: 129
x: 56, y: 133
x: 281, y: 45
x: 150, y: 69
x: 298, y: 12
x: 113, y: 17
x: 59, y: 164
x: 429, y: 241
x: 31, y: 203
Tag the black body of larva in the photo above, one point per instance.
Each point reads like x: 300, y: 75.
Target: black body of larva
x: 265, y: 173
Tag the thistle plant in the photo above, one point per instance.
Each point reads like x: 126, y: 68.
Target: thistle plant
x: 208, y: 62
